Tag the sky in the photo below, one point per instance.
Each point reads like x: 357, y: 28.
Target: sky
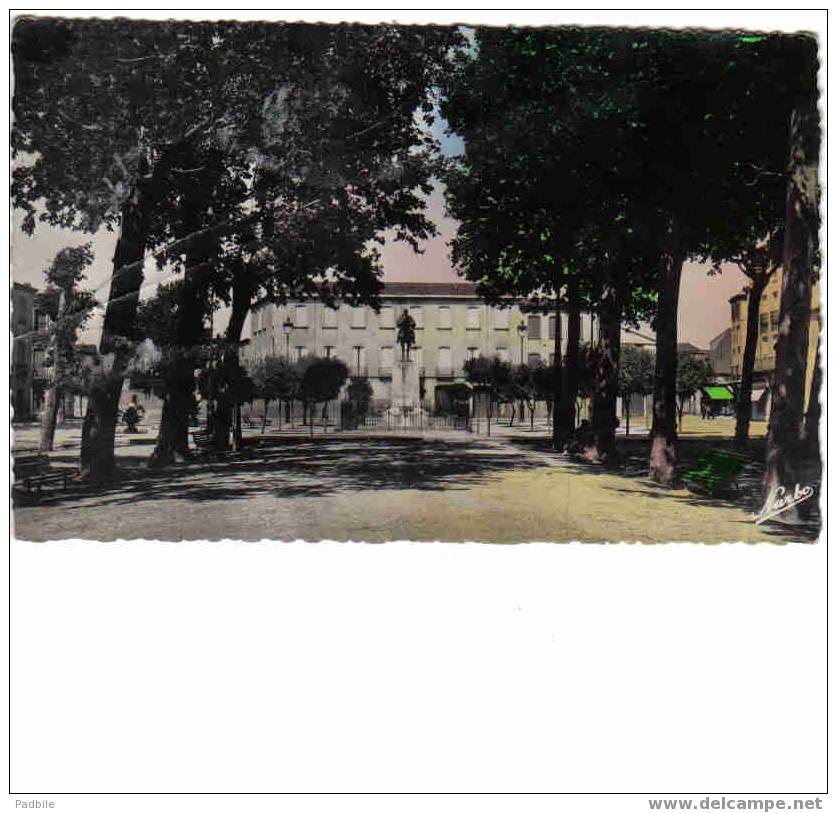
x: 703, y: 313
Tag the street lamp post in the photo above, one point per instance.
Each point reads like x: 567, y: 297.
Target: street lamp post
x: 287, y: 327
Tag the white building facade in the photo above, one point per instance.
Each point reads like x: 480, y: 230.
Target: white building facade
x: 452, y: 325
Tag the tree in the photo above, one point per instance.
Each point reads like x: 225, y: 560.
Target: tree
x: 543, y: 378
x: 618, y: 154
x: 636, y: 377
x: 274, y: 379
x: 786, y: 437
x: 105, y: 108
x: 758, y: 262
x: 224, y: 381
x: 320, y: 381
x: 133, y: 103
x: 491, y: 376
x: 693, y: 374
x: 69, y: 308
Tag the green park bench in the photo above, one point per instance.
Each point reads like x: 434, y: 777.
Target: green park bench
x: 715, y: 471
x: 34, y: 471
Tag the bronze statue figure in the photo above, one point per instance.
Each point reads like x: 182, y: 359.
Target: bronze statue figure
x: 406, y: 334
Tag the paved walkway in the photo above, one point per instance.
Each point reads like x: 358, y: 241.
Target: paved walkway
x: 452, y: 487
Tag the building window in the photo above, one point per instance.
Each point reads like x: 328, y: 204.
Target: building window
x: 386, y: 358
x: 358, y: 365
x: 552, y: 327
x: 473, y: 352
x: 764, y: 322
x: 473, y: 322
x: 329, y: 317
x: 417, y: 312
x: 503, y: 353
x: 329, y: 351
x: 387, y: 317
x: 552, y: 359
x: 501, y: 319
x: 444, y: 318
x: 534, y: 323
x: 42, y: 321
x: 38, y: 359
x: 358, y: 317
x: 533, y: 359
x: 300, y: 316
x: 774, y: 320
x: 445, y: 360
x: 300, y: 352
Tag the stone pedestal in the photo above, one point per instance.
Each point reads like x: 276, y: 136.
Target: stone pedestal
x: 406, y: 391
x: 405, y: 399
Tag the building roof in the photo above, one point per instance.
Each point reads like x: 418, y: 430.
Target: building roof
x: 429, y: 289
x: 688, y: 347
x: 721, y: 336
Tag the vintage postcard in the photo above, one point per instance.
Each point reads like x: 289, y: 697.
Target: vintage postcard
x: 279, y: 281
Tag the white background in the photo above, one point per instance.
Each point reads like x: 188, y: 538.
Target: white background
x: 415, y: 668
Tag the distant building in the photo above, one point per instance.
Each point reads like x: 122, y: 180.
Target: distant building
x: 765, y: 361
x: 29, y: 375
x: 687, y: 348
x: 720, y: 353
x: 452, y: 325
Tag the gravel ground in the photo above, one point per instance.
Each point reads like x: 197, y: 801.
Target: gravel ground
x: 451, y: 487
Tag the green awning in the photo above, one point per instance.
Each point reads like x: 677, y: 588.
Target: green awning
x: 719, y: 393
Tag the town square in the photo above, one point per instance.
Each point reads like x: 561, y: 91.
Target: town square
x: 486, y: 284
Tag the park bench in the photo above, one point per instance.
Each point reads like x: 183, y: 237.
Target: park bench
x: 33, y: 472
x: 204, y: 441
x: 250, y: 423
x: 715, y: 471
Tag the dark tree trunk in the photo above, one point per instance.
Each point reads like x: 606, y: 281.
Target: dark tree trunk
x: 663, y: 460
x: 222, y: 420
x: 201, y: 252
x: 264, y: 417
x: 53, y: 393
x: 99, y: 428
x: 744, y: 407
x: 238, y: 435
x: 558, y: 436
x: 626, y: 409
x: 569, y: 369
x: 52, y: 401
x: 605, y: 378
x: 786, y: 460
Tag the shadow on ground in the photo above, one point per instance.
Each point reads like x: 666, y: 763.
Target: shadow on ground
x: 297, y: 468
x: 633, y: 466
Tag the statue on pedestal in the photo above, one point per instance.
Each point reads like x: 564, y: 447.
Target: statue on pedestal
x: 406, y: 334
